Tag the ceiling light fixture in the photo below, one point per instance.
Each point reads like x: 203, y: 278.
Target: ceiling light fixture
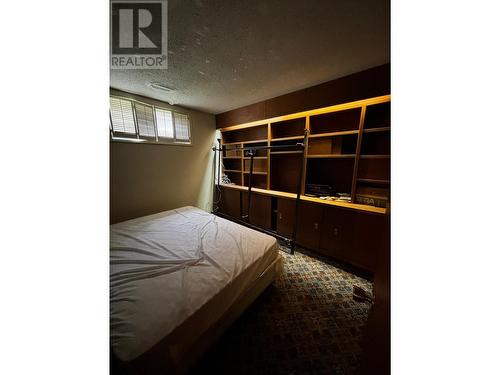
x: 160, y: 86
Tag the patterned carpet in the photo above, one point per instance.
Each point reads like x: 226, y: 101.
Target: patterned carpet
x: 305, y: 323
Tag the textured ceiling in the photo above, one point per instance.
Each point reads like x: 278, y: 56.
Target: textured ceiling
x: 227, y: 54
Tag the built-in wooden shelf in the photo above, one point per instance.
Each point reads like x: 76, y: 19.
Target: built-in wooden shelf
x: 348, y: 148
x: 333, y: 134
x: 375, y: 156
x: 256, y: 141
x: 255, y: 172
x: 373, y: 181
x: 282, y: 194
x: 264, y: 140
x: 374, y: 130
x: 331, y: 156
x: 287, y: 138
x: 285, y: 152
x: 354, y: 206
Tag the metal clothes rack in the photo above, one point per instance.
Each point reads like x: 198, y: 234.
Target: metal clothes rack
x: 245, y: 219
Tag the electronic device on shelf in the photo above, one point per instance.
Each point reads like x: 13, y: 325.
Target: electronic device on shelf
x: 318, y: 190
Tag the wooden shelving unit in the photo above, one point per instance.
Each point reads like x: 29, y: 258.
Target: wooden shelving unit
x: 375, y: 156
x: 331, y: 156
x: 322, y: 135
x: 285, y: 152
x: 375, y: 130
x: 347, y: 147
x: 256, y: 172
x: 287, y: 138
x: 374, y: 181
x: 291, y: 196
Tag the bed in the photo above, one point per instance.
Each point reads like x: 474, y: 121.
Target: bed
x: 178, y: 279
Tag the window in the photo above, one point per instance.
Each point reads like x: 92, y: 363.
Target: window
x: 122, y: 116
x: 181, y: 127
x: 164, y: 123
x: 145, y: 120
x: 132, y: 120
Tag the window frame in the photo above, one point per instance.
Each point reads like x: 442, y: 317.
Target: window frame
x: 119, y: 134
x: 153, y: 138
x: 166, y: 139
x: 137, y: 138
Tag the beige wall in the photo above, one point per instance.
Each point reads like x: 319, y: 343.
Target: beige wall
x: 149, y: 178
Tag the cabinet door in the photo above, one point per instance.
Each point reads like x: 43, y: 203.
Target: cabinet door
x: 260, y: 209
x: 309, y: 225
x: 230, y: 202
x: 285, y: 216
x: 370, y: 235
x: 337, y: 233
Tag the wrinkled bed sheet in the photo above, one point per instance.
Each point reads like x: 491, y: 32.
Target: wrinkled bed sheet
x: 166, y: 266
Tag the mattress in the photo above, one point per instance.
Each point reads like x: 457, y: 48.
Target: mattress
x: 167, y: 266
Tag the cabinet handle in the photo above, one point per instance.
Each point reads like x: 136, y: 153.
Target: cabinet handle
x: 280, y: 216
x: 316, y: 226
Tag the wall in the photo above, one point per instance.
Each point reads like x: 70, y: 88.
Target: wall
x: 366, y: 84
x: 149, y: 178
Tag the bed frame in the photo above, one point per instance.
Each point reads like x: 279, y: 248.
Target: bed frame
x: 178, y: 352
x: 245, y: 218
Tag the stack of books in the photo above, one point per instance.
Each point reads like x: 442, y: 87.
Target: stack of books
x: 344, y: 197
x: 372, y: 196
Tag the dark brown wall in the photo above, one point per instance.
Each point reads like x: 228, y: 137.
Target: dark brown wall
x: 361, y: 85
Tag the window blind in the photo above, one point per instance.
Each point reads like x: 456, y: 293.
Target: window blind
x: 145, y: 120
x: 132, y: 120
x: 181, y: 122
x: 122, y: 116
x: 164, y: 123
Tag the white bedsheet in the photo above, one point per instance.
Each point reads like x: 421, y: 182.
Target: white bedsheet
x: 166, y: 266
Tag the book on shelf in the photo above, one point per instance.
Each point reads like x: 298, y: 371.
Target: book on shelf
x: 372, y: 200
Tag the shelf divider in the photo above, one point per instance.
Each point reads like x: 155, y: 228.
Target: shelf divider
x: 381, y: 129
x: 374, y: 181
x: 358, y: 153
x: 331, y: 156
x: 334, y: 134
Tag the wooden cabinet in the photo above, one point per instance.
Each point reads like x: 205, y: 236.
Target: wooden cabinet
x: 352, y: 237
x: 309, y: 225
x: 370, y: 232
x: 230, y: 203
x: 347, y: 235
x: 285, y: 216
x: 260, y: 209
x: 234, y: 203
x: 344, y: 234
x: 337, y: 235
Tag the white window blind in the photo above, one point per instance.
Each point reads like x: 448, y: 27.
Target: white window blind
x: 181, y: 127
x: 153, y: 124
x: 145, y: 120
x: 164, y: 123
x: 122, y: 116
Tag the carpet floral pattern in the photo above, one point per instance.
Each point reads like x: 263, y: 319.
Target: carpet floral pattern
x: 305, y: 323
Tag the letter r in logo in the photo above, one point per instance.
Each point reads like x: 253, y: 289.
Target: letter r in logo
x: 136, y: 28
